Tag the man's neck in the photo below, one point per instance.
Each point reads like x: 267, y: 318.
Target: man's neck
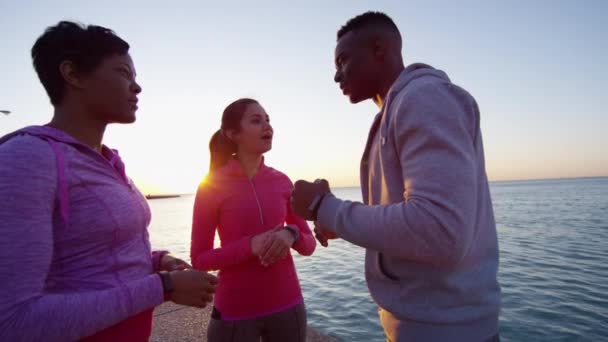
x: 386, y: 84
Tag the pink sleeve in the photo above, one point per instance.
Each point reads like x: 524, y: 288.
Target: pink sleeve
x: 204, y: 225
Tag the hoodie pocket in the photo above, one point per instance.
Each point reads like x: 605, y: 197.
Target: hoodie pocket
x: 383, y: 271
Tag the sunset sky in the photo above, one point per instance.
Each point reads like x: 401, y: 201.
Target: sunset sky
x: 537, y: 69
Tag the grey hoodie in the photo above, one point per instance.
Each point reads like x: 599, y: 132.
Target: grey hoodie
x: 427, y: 223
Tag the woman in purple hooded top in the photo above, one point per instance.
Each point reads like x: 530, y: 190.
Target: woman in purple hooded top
x: 75, y: 258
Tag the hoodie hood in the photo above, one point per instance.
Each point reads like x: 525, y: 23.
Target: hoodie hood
x: 46, y: 133
x: 55, y: 137
x: 413, y: 72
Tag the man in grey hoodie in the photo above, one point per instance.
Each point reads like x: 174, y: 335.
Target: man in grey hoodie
x: 427, y: 222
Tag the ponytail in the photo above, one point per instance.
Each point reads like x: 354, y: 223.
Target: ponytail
x: 221, y: 149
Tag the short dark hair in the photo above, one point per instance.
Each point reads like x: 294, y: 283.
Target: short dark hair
x: 85, y: 46
x: 368, y: 19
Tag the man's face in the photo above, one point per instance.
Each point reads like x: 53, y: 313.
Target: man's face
x: 356, y: 67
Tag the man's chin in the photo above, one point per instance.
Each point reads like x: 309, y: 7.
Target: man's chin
x: 355, y: 99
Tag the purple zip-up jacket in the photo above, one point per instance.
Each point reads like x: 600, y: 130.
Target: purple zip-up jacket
x: 75, y: 257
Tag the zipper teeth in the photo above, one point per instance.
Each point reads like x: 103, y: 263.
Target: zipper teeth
x: 255, y: 194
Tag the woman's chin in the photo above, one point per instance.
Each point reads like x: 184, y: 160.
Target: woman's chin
x: 266, y: 148
x: 125, y: 118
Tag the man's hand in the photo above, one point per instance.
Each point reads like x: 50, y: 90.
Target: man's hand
x: 170, y: 263
x: 323, y: 234
x: 306, y: 198
x: 193, y: 288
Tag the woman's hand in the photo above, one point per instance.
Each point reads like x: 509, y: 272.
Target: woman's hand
x: 192, y: 288
x: 171, y: 263
x: 277, y: 246
x: 260, y: 242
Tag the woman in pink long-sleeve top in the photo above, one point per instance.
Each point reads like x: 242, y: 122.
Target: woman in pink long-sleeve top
x: 247, y: 202
x: 75, y: 258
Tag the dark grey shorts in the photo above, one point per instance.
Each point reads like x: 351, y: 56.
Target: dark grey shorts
x: 288, y: 325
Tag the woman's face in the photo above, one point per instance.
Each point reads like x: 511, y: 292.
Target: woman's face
x: 110, y: 91
x: 255, y: 135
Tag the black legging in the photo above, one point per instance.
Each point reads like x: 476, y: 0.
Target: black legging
x: 288, y: 325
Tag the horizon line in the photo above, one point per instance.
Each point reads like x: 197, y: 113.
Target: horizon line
x: 356, y: 186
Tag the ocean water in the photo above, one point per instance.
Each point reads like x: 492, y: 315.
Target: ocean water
x: 553, y: 239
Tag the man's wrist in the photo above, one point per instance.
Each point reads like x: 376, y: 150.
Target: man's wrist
x: 316, y: 204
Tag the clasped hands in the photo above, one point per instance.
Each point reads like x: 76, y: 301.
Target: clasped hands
x: 273, y: 245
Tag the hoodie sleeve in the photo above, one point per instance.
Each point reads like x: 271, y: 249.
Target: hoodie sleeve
x: 28, y: 177
x: 306, y: 243
x: 204, y: 224
x: 435, y: 221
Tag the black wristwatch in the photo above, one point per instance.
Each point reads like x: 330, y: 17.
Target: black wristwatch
x: 165, y: 277
x: 294, y: 231
x: 315, y: 204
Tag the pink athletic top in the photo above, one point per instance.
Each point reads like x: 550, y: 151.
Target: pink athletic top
x: 240, y: 208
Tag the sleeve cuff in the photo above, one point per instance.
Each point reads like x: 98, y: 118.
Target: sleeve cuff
x: 328, y: 211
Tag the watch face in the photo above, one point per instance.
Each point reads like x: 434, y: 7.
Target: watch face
x: 167, y: 282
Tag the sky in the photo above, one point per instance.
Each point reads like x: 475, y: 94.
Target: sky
x: 536, y: 68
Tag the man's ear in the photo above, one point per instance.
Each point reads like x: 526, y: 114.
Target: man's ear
x: 70, y: 74
x: 379, y: 47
